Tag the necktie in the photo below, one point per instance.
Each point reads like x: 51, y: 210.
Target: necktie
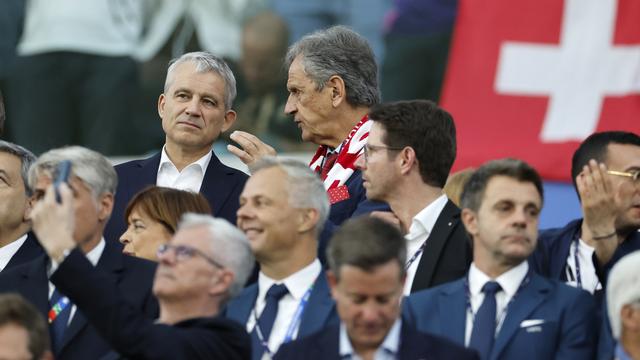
x: 484, y: 324
x: 329, y: 160
x: 267, y: 318
x: 62, y: 310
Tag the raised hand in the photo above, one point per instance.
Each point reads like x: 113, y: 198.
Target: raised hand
x: 53, y: 222
x: 251, y: 148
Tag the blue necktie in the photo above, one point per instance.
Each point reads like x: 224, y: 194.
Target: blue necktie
x: 267, y: 318
x: 59, y: 324
x: 484, y: 324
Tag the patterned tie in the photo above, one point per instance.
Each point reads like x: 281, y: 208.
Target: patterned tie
x: 329, y: 160
x: 267, y: 318
x: 62, y: 309
x: 484, y: 324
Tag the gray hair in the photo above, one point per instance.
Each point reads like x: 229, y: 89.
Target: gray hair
x: 339, y: 51
x: 26, y: 158
x: 206, y: 62
x: 305, y: 187
x: 88, y: 165
x: 623, y: 288
x: 228, y: 243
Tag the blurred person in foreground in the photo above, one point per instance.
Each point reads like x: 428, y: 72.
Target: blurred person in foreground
x: 623, y: 306
x: 23, y: 331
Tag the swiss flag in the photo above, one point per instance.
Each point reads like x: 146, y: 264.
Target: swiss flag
x: 532, y: 79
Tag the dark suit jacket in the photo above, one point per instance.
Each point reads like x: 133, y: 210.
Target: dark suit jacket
x: 133, y: 277
x: 325, y: 345
x: 29, y: 250
x: 448, y: 252
x: 319, y: 312
x: 567, y: 327
x: 221, y: 185
x: 133, y: 334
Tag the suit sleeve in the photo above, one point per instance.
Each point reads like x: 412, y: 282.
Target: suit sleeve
x: 579, y: 328
x: 129, y: 331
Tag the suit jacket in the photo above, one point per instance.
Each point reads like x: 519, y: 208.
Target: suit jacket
x: 319, y: 312
x: 133, y: 334
x: 133, y: 277
x: 561, y: 318
x: 325, y: 345
x: 221, y: 185
x: 29, y: 250
x: 448, y: 252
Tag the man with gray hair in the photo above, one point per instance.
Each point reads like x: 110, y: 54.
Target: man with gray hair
x: 282, y: 209
x: 17, y: 244
x: 332, y: 83
x: 195, y: 107
x: 92, y: 180
x: 623, y: 306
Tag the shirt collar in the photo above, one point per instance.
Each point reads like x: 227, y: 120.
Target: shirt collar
x: 201, y: 163
x: 391, y: 342
x: 9, y: 250
x: 425, y: 220
x: 297, y: 283
x: 509, y: 281
x: 93, y: 256
x: 621, y: 354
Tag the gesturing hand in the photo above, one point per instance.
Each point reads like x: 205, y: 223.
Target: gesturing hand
x: 252, y: 147
x: 53, y: 223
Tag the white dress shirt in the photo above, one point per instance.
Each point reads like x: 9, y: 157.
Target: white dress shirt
x: 297, y: 284
x: 388, y: 350
x: 93, y: 256
x: 7, y: 251
x: 419, y: 231
x: 190, y: 178
x: 588, y: 277
x: 509, y: 282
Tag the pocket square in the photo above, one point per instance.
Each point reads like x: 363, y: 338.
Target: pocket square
x: 531, y: 322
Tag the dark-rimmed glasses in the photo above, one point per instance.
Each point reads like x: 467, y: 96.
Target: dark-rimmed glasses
x: 184, y: 252
x: 368, y: 148
x: 634, y: 175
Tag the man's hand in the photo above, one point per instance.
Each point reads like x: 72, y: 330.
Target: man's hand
x: 252, y: 147
x: 599, y: 210
x: 53, y: 223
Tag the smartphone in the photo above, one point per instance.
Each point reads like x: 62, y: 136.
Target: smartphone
x: 62, y: 175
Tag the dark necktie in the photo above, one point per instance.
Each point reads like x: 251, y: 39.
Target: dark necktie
x: 267, y: 318
x: 484, y: 324
x: 58, y: 326
x: 329, y: 160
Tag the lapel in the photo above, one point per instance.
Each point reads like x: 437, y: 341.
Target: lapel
x: 111, y: 264
x: 319, y: 308
x: 446, y: 222
x: 452, y: 311
x: 558, y: 266
x: 531, y: 296
x: 216, y: 186
x: 35, y: 286
x: 242, y: 305
x: 147, y: 175
x: 29, y: 250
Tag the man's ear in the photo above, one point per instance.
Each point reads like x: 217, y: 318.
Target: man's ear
x: 470, y: 220
x: 105, y: 206
x: 407, y: 160
x: 338, y: 90
x: 29, y: 203
x: 333, y: 283
x: 229, y: 119
x: 161, y: 102
x: 308, y: 219
x: 222, y: 283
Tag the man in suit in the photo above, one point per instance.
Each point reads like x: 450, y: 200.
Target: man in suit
x: 282, y: 209
x: 23, y: 331
x: 206, y: 263
x: 332, y: 84
x: 195, y: 108
x: 605, y: 171
x: 406, y: 162
x: 17, y: 244
x: 366, y: 258
x: 501, y: 308
x: 93, y: 181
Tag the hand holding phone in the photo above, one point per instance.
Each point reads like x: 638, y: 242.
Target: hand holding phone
x: 62, y: 175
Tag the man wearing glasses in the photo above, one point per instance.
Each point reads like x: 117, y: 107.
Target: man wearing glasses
x: 406, y: 162
x: 605, y: 170
x: 204, y: 265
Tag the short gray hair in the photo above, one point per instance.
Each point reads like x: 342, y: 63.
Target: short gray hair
x: 206, y: 62
x: 26, y: 158
x: 88, y: 165
x: 339, y: 51
x: 623, y: 288
x: 305, y: 187
x: 230, y: 245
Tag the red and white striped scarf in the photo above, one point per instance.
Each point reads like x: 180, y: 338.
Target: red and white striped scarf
x: 344, y: 167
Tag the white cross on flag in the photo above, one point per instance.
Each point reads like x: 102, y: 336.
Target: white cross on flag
x: 532, y: 79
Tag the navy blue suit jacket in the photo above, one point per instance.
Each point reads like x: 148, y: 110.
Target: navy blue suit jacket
x: 567, y: 329
x: 136, y: 336
x: 29, y: 250
x: 325, y: 345
x: 81, y: 340
x: 221, y: 185
x: 319, y: 312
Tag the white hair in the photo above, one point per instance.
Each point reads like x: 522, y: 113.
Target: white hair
x: 623, y: 288
x: 228, y: 243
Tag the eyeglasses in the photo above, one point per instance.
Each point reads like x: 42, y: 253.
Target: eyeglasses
x: 368, y: 148
x: 184, y: 252
x: 634, y: 175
